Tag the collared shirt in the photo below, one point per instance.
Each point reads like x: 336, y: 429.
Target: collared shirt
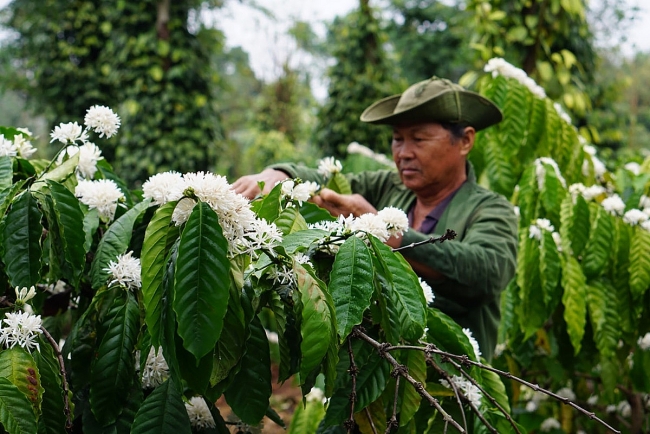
x: 432, y: 219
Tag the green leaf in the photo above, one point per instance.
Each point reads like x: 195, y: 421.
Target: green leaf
x: 409, y: 398
x: 156, y: 245
x: 290, y: 221
x: 230, y: 347
x: 339, y: 183
x: 113, y: 368
x: 639, y: 262
x: 552, y: 194
x: 406, y: 301
x: 351, y: 284
x: 7, y: 195
x: 531, y: 308
x: 528, y: 197
x: 249, y: 394
x: 62, y: 172
x: 115, y: 242
x: 314, y: 214
x: 19, y: 367
x: 375, y: 411
x: 16, y: 415
x: 268, y: 207
x: 302, y: 240
x: 91, y: 223
x: 202, y: 281
x: 22, y: 242
x: 596, y: 252
x: 6, y: 172
x: 316, y: 326
x: 493, y: 385
x: 306, y: 419
x: 574, y: 224
x: 163, y: 412
x: 550, y: 269
x: 574, y: 300
x: 52, y: 420
x: 70, y: 219
x: 447, y: 334
x: 604, y: 321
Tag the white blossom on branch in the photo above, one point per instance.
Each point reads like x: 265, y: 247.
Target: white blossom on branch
x: 22, y: 329
x: 102, y: 120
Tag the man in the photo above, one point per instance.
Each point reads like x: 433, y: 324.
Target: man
x: 434, y: 125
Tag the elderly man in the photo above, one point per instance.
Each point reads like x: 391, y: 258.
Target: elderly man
x: 434, y: 125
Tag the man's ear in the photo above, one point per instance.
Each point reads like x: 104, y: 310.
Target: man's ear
x: 467, y: 141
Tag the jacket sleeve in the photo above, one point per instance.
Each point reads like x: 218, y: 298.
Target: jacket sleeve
x: 482, y: 263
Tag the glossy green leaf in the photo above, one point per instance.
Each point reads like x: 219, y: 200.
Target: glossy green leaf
x: 596, y: 253
x: 132, y: 401
x: 493, y: 385
x: 446, y: 333
x: 162, y: 412
x: 230, y: 347
x: 302, y: 240
x: 314, y: 214
x: 268, y: 207
x: 70, y: 219
x: 351, y: 284
x: 626, y: 307
x: 339, y: 183
x: 250, y: 391
x: 604, y: 321
x: 550, y: 269
x: 530, y: 312
x: 22, y: 242
x: 16, y: 415
x: 6, y: 172
x: 113, y: 368
x: 202, y: 281
x: 115, y: 242
x: 409, y: 398
x: 574, y: 300
x: 574, y: 224
x: 155, y: 248
x: 52, y: 420
x: 405, y: 300
x: 552, y: 194
x: 290, y: 220
x: 19, y: 367
x: 639, y: 262
x: 316, y: 325
x: 91, y: 223
x: 528, y: 196
x: 306, y: 418
x: 7, y: 195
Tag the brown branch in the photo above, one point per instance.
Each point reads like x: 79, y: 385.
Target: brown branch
x: 354, y: 370
x: 59, y: 357
x: 392, y: 422
x: 403, y: 372
x: 449, y: 235
x: 444, y: 374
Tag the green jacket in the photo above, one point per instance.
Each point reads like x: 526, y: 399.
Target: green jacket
x: 478, y: 264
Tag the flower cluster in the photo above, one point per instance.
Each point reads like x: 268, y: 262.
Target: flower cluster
x: 473, y: 342
x: 329, y: 166
x: 22, y: 329
x: 540, y: 171
x: 356, y: 148
x: 102, y: 194
x: 102, y: 120
x: 633, y: 167
x: 126, y: 271
x: 471, y: 392
x: 199, y: 413
x: 155, y: 371
x: 644, y: 342
x: 244, y: 231
x: 89, y: 156
x: 300, y: 192
x: 20, y: 146
x: 599, y: 167
x: 428, y: 292
x: 614, y: 205
x: 550, y: 424
x: 69, y: 133
x: 588, y: 193
x: 535, y: 230
x: 635, y: 217
x: 498, y: 66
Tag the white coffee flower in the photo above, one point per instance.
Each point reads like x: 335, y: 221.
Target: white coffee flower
x: 304, y: 191
x: 646, y: 225
x: 89, y: 155
x: 57, y: 288
x: 102, y: 194
x: 22, y: 329
x: 563, y: 115
x: 635, y: 217
x: 183, y: 210
x: 7, y: 147
x: 155, y: 370
x: 272, y: 337
x: 499, y: 349
x: 599, y: 166
x: 558, y: 240
x: 532, y: 406
x: 316, y: 395
x: 534, y: 232
x: 301, y: 258
x: 69, y: 133
x: 126, y: 271
x: 371, y: 224
x: 199, y: 413
x: 471, y: 392
x: 592, y: 400
x: 614, y: 205
x: 591, y: 150
x: 396, y: 220
x: 163, y: 187
x: 644, y: 342
x: 540, y: 171
x: 259, y: 235
x: 550, y: 424
x: 473, y: 342
x: 593, y: 191
x: 23, y: 146
x: 567, y: 393
x: 328, y: 166
x: 624, y: 409
x: 428, y: 292
x: 644, y: 202
x: 633, y: 167
x: 24, y: 294
x: 282, y: 275
x: 498, y: 66
x: 517, y: 211
x: 102, y: 120
x: 287, y: 188
x: 610, y: 409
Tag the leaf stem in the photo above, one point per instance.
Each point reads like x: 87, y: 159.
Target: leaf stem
x: 354, y: 370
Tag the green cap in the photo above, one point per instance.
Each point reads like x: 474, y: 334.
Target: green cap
x: 434, y: 100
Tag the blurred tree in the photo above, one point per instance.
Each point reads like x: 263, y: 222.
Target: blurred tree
x: 147, y: 59
x: 361, y: 75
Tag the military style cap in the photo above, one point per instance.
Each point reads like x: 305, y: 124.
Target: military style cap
x: 434, y: 100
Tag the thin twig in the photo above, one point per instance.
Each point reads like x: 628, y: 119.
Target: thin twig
x: 392, y: 422
x: 419, y: 388
x: 59, y: 357
x: 354, y: 370
x: 449, y: 235
x: 372, y: 422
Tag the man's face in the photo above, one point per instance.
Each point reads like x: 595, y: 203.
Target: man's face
x: 428, y: 157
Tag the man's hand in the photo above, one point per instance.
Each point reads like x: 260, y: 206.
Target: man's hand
x: 343, y: 204
x: 248, y: 186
